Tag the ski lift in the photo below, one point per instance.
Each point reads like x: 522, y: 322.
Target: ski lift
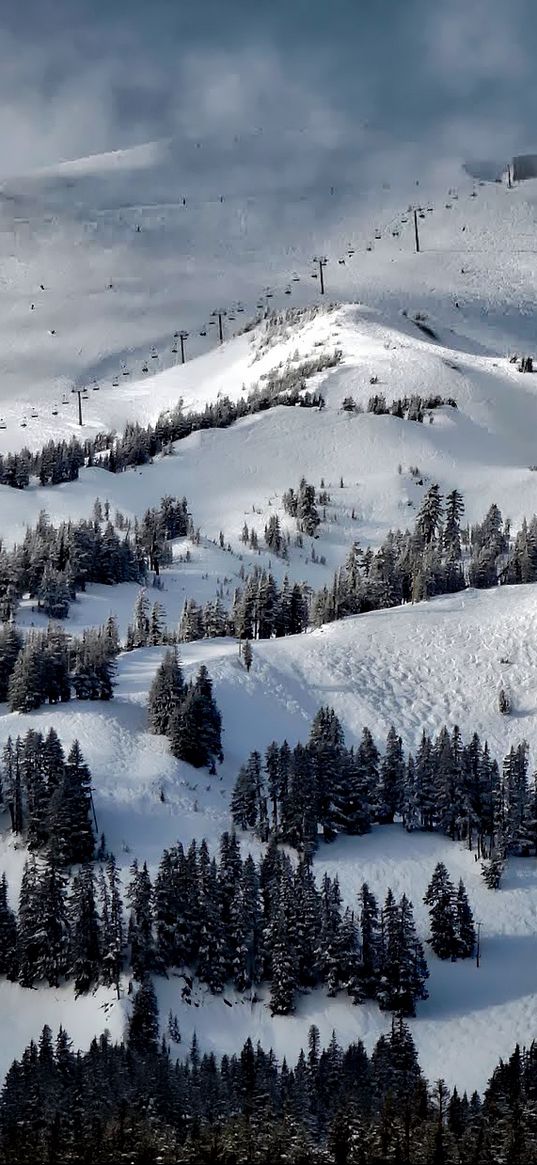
x: 85, y: 395
x: 2, y: 423
x: 378, y: 234
x: 341, y: 262
x: 23, y: 423
x: 269, y: 294
x: 350, y: 252
x: 473, y: 194
x: 448, y: 205
x: 295, y: 279
x: 421, y: 214
x: 239, y: 307
x: 65, y: 399
x: 369, y: 247
x: 95, y: 386
x: 174, y: 352
x: 404, y: 219
x: 34, y: 414
x: 125, y: 372
x: 395, y: 233
x: 145, y: 366
x: 429, y: 210
x: 287, y: 291
x: 231, y: 317
x: 154, y: 354
x: 203, y: 332
x: 115, y: 382
x: 314, y: 275
x: 260, y: 305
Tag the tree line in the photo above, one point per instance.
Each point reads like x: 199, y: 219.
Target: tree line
x: 225, y: 921
x: 50, y: 666
x: 323, y: 787
x: 61, y: 461
x: 136, y: 1101
x: 53, y: 563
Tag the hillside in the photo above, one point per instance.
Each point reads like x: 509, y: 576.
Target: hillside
x: 415, y: 667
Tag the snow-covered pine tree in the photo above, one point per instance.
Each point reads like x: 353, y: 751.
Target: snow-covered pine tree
x: 85, y: 946
x: 441, y: 899
x: 140, y: 929
x: 143, y: 1030
x: 8, y: 934
x: 70, y: 824
x: 165, y: 694
x: 465, y: 924
x: 389, y: 798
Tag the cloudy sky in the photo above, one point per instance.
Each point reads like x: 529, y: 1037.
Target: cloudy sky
x: 454, y: 78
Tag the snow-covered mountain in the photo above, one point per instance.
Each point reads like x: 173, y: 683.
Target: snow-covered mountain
x: 85, y: 296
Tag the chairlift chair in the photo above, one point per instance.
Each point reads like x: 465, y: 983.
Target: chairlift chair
x: 95, y: 387
x: 295, y: 279
x: 173, y: 350
x: 34, y: 414
x: 240, y: 307
x: 65, y: 399
x: 350, y: 252
x: 378, y: 235
x: 125, y: 372
x: 55, y: 411
x: 115, y: 382
x: 2, y: 423
x: 23, y: 423
x: 341, y: 262
x: 395, y: 233
x: 154, y: 354
x: 203, y: 332
x: 231, y: 317
x: 287, y: 291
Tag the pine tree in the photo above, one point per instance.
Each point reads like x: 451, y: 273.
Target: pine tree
x: 27, y: 682
x: 404, y: 970
x: 465, y: 924
x: 165, y: 694
x: 8, y: 934
x: 70, y: 826
x: 392, y: 771
x: 371, y: 954
x: 85, y: 949
x: 441, y: 899
x: 112, y: 929
x: 140, y: 620
x: 195, y: 732
x: 143, y: 1023
x: 140, y: 899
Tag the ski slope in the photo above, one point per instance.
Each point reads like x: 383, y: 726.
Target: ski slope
x: 73, y: 229
x: 414, y: 667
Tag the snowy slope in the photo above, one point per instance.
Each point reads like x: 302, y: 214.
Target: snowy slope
x: 414, y: 667
x: 73, y: 228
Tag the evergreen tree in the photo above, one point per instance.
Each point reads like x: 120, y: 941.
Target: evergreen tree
x: 143, y: 1022
x: 140, y: 936
x: 443, y: 903
x: 165, y: 694
x: 8, y: 934
x: 465, y: 924
x: 85, y: 948
x: 112, y: 928
x: 70, y: 827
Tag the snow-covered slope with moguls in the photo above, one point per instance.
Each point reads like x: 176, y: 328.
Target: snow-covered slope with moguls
x: 110, y: 294
x: 414, y: 667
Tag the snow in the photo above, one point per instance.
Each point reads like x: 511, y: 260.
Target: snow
x: 417, y: 667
